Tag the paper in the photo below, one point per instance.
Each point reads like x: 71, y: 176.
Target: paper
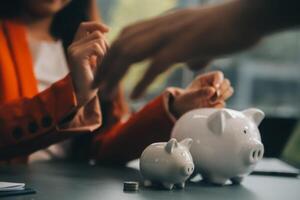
x: 7, y: 186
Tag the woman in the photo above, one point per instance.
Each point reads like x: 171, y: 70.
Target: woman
x: 41, y: 28
x: 31, y: 117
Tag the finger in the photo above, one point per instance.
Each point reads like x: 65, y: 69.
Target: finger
x: 113, y: 68
x: 224, y: 86
x: 220, y: 91
x: 158, y: 66
x: 108, y: 64
x: 88, y: 27
x: 93, y: 62
x: 121, y: 55
x: 99, y: 41
x: 89, y: 37
x: 203, y: 93
x: 92, y: 49
x: 106, y: 44
x: 128, y: 50
x: 105, y: 49
x: 111, y: 84
x: 218, y: 78
x: 214, y: 78
x: 226, y: 95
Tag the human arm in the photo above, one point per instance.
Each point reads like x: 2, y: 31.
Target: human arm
x: 194, y: 35
x: 126, y: 140
x: 67, y: 108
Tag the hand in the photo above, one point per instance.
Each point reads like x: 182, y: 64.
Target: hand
x: 207, y: 90
x: 88, y: 49
x: 193, y: 35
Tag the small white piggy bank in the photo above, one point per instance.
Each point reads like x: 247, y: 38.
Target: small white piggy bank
x: 227, y: 143
x: 167, y: 163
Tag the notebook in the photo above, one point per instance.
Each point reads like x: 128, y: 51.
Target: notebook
x: 13, y: 189
x: 275, y: 167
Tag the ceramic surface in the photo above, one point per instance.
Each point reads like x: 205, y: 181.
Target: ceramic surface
x: 167, y: 163
x: 227, y: 143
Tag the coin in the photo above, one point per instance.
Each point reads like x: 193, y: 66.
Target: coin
x: 130, y: 186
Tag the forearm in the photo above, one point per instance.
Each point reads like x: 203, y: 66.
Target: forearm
x: 237, y: 25
x: 269, y: 16
x: 126, y: 140
x: 30, y: 124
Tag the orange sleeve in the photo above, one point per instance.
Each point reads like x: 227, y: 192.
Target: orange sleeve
x: 126, y: 141
x: 29, y: 124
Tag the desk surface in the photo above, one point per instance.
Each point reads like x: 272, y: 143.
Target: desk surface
x: 84, y: 182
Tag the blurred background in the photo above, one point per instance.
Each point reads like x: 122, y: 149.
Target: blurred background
x: 266, y: 77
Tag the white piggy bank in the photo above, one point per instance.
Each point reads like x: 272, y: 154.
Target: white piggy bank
x: 227, y: 143
x: 168, y: 163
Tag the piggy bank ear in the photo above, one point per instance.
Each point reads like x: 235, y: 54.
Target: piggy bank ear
x: 187, y: 142
x: 217, y: 121
x: 171, y: 145
x: 254, y: 114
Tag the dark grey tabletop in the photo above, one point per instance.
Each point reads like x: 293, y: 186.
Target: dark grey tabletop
x: 81, y: 181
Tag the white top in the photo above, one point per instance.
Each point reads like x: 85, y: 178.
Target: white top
x: 50, y: 65
x: 49, y: 62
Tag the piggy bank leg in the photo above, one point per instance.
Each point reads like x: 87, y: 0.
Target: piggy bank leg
x: 194, y: 174
x: 215, y: 180
x: 147, y: 183
x: 168, y: 186
x: 237, y: 180
x: 180, y: 185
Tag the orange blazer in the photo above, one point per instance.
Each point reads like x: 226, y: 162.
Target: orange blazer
x: 30, y: 121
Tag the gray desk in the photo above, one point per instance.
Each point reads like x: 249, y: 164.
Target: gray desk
x: 79, y: 181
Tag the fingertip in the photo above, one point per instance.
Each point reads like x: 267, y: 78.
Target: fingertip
x: 231, y: 91
x: 105, y: 26
x: 219, y: 77
x: 227, y: 81
x: 106, y: 29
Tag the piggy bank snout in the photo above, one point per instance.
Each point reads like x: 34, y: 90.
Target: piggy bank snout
x: 187, y: 170
x: 255, y: 152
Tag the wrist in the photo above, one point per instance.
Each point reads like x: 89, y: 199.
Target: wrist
x: 83, y: 91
